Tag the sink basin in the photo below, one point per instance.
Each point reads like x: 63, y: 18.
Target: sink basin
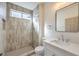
x: 60, y: 42
x: 57, y: 42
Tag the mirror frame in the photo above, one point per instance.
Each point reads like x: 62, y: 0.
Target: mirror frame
x: 61, y: 9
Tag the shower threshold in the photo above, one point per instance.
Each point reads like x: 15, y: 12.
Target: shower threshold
x: 26, y: 51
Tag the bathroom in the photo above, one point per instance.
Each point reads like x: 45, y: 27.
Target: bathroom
x: 31, y: 29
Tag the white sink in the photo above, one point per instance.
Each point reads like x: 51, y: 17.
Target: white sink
x: 60, y: 42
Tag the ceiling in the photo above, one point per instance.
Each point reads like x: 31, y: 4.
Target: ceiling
x: 28, y: 5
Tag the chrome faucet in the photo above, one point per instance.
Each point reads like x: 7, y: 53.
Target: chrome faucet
x: 62, y: 38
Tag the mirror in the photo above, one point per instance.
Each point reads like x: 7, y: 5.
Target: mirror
x: 67, y: 18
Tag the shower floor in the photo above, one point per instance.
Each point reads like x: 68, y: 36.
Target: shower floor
x: 21, y: 52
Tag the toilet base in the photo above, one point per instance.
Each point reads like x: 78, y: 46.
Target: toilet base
x: 39, y: 51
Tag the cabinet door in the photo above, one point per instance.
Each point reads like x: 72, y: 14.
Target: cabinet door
x: 51, y: 50
x: 49, y: 53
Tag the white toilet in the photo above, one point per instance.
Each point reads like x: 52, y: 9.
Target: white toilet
x: 39, y: 51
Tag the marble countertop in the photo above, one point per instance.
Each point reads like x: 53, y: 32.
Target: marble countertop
x: 71, y: 47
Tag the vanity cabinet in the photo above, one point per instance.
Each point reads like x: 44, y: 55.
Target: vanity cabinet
x: 50, y: 50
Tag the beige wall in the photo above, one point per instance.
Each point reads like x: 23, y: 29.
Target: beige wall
x: 50, y: 9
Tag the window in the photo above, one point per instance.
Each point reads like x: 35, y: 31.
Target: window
x: 15, y: 13
x: 26, y: 16
x: 18, y: 14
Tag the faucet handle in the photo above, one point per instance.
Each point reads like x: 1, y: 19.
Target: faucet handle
x: 62, y: 37
x: 67, y: 40
x: 59, y: 38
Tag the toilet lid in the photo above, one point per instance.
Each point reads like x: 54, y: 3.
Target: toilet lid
x: 39, y: 48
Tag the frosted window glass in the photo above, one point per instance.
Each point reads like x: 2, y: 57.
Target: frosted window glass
x: 19, y: 14
x: 16, y: 14
x: 26, y: 16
